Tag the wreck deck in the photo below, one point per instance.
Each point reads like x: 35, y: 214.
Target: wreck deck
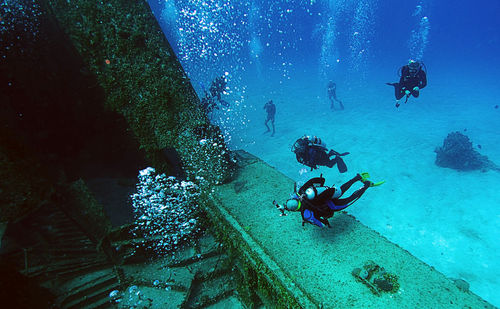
x: 309, y: 267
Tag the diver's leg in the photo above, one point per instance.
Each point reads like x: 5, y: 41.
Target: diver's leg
x: 331, y: 163
x: 265, y: 123
x: 272, y: 123
x: 399, y: 95
x: 348, y: 184
x: 398, y: 92
x: 332, y: 153
x: 341, y: 105
x: 321, y: 158
x: 356, y: 195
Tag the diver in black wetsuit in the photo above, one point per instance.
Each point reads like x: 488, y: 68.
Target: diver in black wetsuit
x: 271, y: 112
x: 332, y: 95
x: 413, y: 78
x: 208, y: 103
x: 217, y: 88
x: 317, y: 203
x: 311, y: 151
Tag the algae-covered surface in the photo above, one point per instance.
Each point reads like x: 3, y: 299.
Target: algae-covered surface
x: 320, y: 261
x: 121, y: 43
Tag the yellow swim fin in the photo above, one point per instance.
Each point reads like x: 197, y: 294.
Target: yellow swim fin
x: 365, y: 176
x: 374, y: 184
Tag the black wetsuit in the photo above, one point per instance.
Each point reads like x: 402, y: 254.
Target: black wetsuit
x: 208, y: 103
x: 332, y: 95
x: 271, y: 112
x: 312, y: 154
x: 409, y: 81
x: 217, y: 88
x: 318, y: 210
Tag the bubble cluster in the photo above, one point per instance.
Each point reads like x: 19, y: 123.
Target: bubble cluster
x: 19, y: 26
x: 210, y: 160
x: 420, y: 35
x: 131, y: 298
x: 165, y: 211
x: 329, y: 48
x: 361, y: 33
x: 208, y: 34
x: 358, y: 17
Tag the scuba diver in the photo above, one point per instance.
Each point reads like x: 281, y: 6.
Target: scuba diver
x: 217, y: 88
x: 271, y: 111
x: 208, y: 103
x: 332, y: 95
x: 311, y: 151
x: 413, y: 77
x: 317, y: 202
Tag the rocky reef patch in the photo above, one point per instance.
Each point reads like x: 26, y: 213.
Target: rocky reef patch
x: 458, y: 153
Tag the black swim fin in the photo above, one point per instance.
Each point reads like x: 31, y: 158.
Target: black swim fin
x: 341, y: 165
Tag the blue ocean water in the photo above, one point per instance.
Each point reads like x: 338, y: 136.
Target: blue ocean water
x: 372, y: 38
x: 289, y: 50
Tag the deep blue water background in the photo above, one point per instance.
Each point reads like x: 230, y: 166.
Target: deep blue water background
x: 463, y: 40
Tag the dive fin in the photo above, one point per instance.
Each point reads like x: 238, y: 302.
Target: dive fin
x: 365, y: 176
x: 374, y: 184
x: 341, y: 165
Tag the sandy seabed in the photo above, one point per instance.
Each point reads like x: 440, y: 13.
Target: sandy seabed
x: 448, y: 219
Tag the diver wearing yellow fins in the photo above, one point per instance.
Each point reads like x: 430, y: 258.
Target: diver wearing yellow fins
x: 317, y: 202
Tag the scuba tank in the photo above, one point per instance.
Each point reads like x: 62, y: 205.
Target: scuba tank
x: 316, y: 141
x: 313, y: 192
